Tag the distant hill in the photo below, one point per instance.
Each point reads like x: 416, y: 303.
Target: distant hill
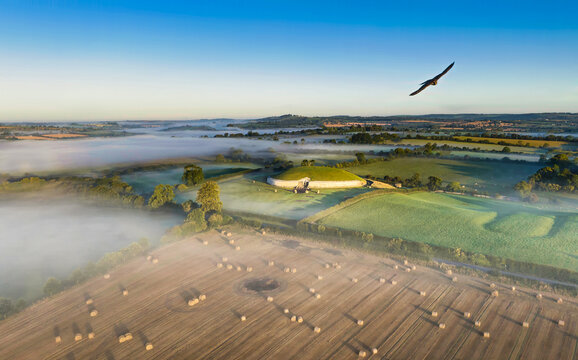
x: 568, y: 120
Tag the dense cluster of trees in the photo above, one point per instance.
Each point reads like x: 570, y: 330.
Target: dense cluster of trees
x: 202, y: 214
x: 308, y: 162
x: 560, y: 175
x: 9, y: 307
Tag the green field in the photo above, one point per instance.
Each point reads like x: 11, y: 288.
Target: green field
x: 487, y: 147
x: 490, y: 176
x: 241, y: 194
x: 145, y: 181
x: 317, y: 173
x: 502, y: 228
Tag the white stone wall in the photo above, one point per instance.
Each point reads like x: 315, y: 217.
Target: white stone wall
x: 316, y: 184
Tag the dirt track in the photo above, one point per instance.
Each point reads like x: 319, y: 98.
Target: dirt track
x: 397, y: 320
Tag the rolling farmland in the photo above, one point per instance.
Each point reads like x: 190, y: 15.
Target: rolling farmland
x: 364, y: 303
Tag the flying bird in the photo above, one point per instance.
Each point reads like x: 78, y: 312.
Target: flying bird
x: 432, y: 81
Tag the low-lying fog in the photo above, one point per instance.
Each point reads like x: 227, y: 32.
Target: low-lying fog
x: 40, y: 239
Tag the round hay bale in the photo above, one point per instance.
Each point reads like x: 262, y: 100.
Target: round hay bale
x: 275, y: 190
x: 525, y: 324
x: 442, y: 325
x: 202, y: 297
x: 128, y: 336
x: 317, y: 330
x: 224, y: 259
x: 408, y: 270
x: 299, y: 319
x: 495, y: 293
x: 382, y: 280
x: 229, y: 267
x: 338, y: 266
x: 449, y: 272
x: 327, y: 266
x: 57, y: 339
x: 89, y: 301
x: 271, y: 263
x: 561, y: 323
x: 93, y: 313
x: 393, y: 282
x: 243, y: 318
x: 293, y: 318
x: 219, y: 265
x: 237, y: 248
x: 434, y: 313
x: 294, y: 270
x: 319, y: 277
x: 125, y: 292
x: 249, y: 269
x: 239, y: 268
x: 354, y: 280
x: 149, y: 257
x: 312, y: 290
x: 263, y: 231
x: 287, y: 270
x: 374, y: 351
x: 231, y: 241
x: 467, y: 315
x: 492, y: 285
x: 205, y: 242
x: 360, y: 322
x: 318, y: 296
x: 513, y: 288
x: 285, y: 311
x: 155, y: 260
x: 396, y: 267
x: 149, y: 346
x: 477, y: 323
x: 106, y: 276
x: 229, y: 234
x: 77, y: 337
x: 413, y: 267
x: 193, y: 302
x: 560, y: 301
x: 422, y: 293
x: 538, y: 296
x: 486, y: 334
x: 455, y: 279
x: 362, y: 353
x: 269, y: 298
x: 121, y: 339
x: 405, y: 262
x: 91, y: 335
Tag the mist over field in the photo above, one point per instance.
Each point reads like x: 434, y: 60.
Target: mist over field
x: 43, y: 238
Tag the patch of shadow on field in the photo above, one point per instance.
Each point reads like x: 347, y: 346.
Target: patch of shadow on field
x: 260, y: 287
x: 70, y: 356
x: 505, y: 317
x: 177, y: 300
x: 560, y: 221
x: 290, y: 244
x: 333, y: 252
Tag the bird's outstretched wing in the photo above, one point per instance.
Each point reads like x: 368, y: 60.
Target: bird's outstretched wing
x: 444, y: 72
x: 425, y: 84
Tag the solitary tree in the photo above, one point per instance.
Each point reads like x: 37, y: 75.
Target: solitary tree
x: 208, y: 197
x: 193, y: 175
x: 360, y: 157
x: 52, y: 286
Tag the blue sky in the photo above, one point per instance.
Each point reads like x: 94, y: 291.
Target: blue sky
x: 115, y: 59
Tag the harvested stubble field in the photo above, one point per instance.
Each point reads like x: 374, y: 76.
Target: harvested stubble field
x: 397, y: 320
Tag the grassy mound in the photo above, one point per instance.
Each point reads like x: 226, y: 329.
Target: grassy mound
x: 317, y: 173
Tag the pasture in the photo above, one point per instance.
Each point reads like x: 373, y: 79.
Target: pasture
x: 490, y: 176
x: 484, y: 147
x: 240, y: 314
x: 145, y: 181
x: 507, y: 229
x: 251, y: 194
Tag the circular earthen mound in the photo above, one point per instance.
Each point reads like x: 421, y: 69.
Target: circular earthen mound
x: 260, y: 286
